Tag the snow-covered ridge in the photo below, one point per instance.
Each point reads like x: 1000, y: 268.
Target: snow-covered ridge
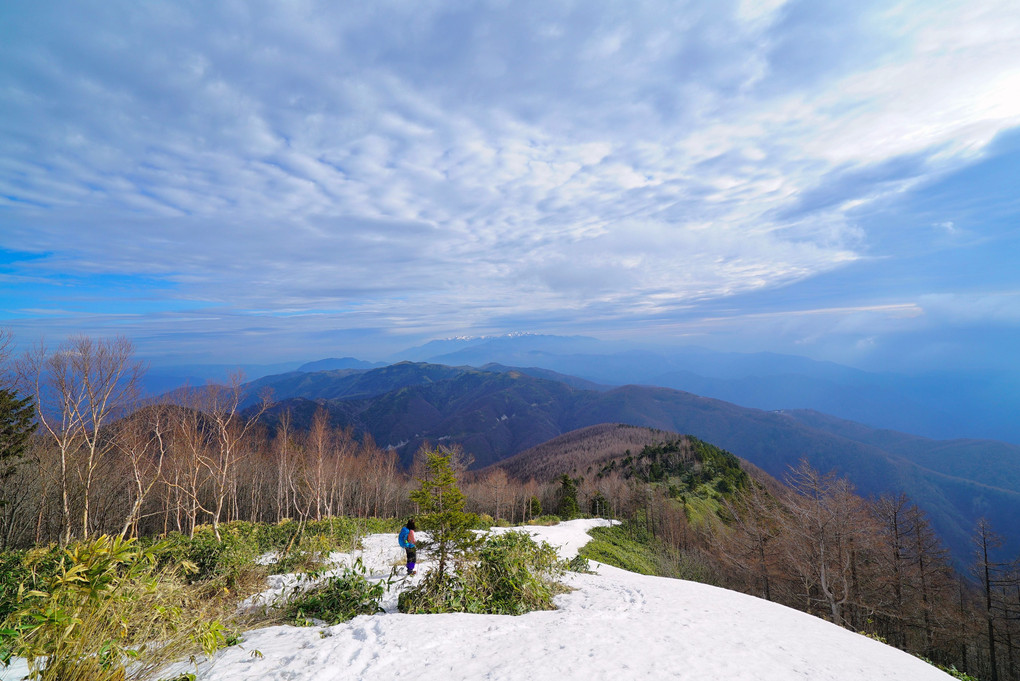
x: 614, y: 625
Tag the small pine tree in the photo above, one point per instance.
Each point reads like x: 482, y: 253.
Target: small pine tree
x: 599, y: 506
x: 534, y: 507
x: 441, y: 506
x: 16, y: 427
x: 568, y: 507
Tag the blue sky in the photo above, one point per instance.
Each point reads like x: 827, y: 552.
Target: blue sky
x: 257, y: 182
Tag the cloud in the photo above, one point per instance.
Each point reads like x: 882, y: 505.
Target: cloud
x: 1001, y: 308
x: 422, y: 166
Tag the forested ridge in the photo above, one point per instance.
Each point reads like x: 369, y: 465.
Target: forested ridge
x: 500, y: 413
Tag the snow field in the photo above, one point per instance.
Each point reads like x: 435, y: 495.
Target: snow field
x: 614, y: 625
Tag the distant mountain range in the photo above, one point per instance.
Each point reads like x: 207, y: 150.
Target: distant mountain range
x: 498, y: 412
x: 333, y: 363
x: 936, y: 406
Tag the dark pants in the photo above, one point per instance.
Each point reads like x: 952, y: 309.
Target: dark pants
x: 412, y: 557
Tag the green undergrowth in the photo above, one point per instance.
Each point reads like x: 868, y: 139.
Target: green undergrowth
x: 339, y: 597
x: 629, y: 546
x: 545, y: 520
x: 226, y: 565
x: 296, y: 547
x: 701, y: 506
x: 113, y: 608
x: 952, y: 671
x: 620, y: 548
x: 107, y: 610
x: 511, y: 574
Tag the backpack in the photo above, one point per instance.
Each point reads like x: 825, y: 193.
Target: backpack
x: 402, y: 537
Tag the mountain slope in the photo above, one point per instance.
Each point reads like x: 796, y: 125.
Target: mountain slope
x: 495, y: 415
x: 578, y: 450
x: 776, y: 442
x: 992, y: 463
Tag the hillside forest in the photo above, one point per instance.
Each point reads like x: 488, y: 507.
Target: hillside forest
x: 82, y: 455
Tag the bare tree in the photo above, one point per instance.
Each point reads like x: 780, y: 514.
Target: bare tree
x: 230, y: 428
x: 343, y: 462
x: 892, y: 513
x: 828, y: 527
x: 757, y: 518
x: 8, y: 373
x: 190, y: 448
x: 497, y: 484
x: 78, y: 390
x: 285, y: 467
x: 144, y: 440
x: 932, y: 574
x: 990, y: 575
x: 318, y: 450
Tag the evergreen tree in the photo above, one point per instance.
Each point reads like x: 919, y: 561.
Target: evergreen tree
x: 599, y: 506
x: 16, y: 427
x: 441, y: 504
x: 534, y: 507
x: 568, y: 507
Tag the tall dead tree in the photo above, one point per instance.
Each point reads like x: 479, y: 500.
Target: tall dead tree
x: 79, y: 389
x: 828, y: 529
x: 144, y: 441
x: 221, y: 405
x: 757, y: 517
x: 988, y: 571
x: 285, y: 467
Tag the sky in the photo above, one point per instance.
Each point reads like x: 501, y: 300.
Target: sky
x: 285, y: 181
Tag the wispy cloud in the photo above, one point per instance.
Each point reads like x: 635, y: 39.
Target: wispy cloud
x: 427, y: 167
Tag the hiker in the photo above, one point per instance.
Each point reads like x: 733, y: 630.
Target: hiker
x: 406, y: 541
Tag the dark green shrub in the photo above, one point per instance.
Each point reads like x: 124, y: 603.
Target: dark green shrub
x: 599, y: 506
x: 579, y: 564
x: 226, y: 562
x: 342, y: 532
x: 630, y: 546
x: 567, y: 507
x: 15, y: 572
x: 516, y: 574
x: 513, y: 575
x: 340, y: 598
x: 436, y: 592
x: 378, y: 525
x: 618, y: 547
x: 230, y: 563
x: 534, y: 507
